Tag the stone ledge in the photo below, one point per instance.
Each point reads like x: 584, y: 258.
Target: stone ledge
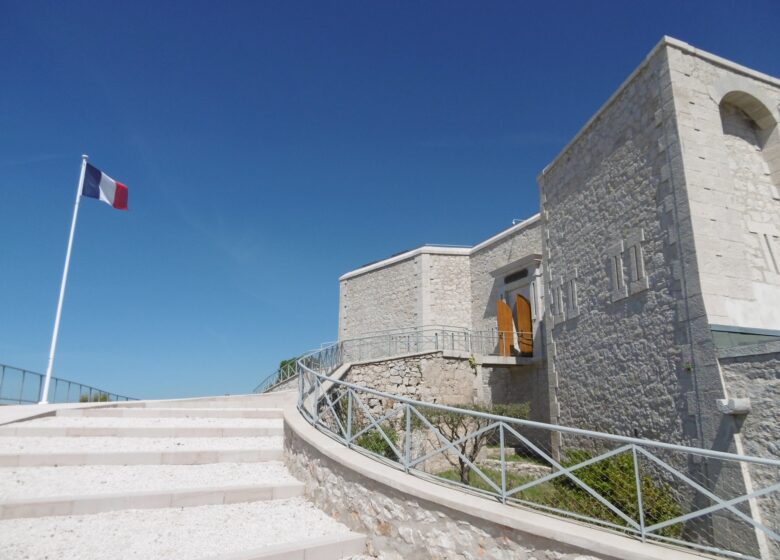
x: 770, y: 347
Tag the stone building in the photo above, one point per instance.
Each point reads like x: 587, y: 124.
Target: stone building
x: 657, y: 247
x: 652, y: 270
x: 660, y: 236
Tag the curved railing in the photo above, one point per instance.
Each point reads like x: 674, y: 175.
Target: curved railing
x: 712, y: 501
x: 285, y: 372
x: 414, y: 340
x: 21, y: 386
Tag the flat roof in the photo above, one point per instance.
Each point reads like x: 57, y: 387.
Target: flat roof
x: 441, y: 249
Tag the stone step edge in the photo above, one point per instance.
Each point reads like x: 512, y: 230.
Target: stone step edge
x: 139, y: 431
x: 192, y: 457
x: 329, y: 547
x: 138, y: 412
x: 152, y: 499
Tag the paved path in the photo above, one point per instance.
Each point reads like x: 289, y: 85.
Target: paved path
x: 184, y: 479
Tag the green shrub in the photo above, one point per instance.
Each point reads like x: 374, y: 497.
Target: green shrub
x: 457, y: 425
x: 614, y: 479
x: 374, y: 442
x: 97, y: 397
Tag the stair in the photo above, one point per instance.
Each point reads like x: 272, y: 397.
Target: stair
x: 181, y: 479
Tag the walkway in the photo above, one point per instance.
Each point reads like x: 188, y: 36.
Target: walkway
x: 175, y: 479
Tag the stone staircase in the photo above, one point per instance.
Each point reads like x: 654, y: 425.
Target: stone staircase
x: 197, y: 479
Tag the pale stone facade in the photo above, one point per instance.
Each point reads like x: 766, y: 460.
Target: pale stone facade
x: 453, y: 287
x: 660, y: 224
x: 656, y: 250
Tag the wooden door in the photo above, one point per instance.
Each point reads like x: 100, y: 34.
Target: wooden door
x: 506, y: 328
x: 525, y: 326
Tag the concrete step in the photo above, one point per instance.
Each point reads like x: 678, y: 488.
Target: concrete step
x: 288, y: 528
x: 268, y: 400
x: 26, y: 483
x: 334, y: 547
x: 189, y: 457
x: 22, y: 430
x: 83, y: 504
x: 180, y: 412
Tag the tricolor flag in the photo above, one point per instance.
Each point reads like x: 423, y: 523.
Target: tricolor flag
x: 99, y: 185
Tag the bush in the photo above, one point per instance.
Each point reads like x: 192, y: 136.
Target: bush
x: 614, y: 479
x: 456, y: 425
x: 374, y: 442
x: 97, y: 397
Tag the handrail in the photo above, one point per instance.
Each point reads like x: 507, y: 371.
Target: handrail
x: 412, y: 340
x: 675, y: 496
x: 22, y: 386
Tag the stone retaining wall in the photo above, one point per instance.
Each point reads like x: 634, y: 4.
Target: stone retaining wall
x: 424, y: 377
x: 403, y: 527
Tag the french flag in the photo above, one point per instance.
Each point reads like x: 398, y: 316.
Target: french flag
x: 99, y: 185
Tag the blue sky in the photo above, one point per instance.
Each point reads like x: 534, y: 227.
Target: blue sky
x: 269, y: 147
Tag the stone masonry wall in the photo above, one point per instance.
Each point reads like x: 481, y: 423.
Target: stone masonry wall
x: 425, y: 377
x: 382, y: 299
x: 754, y: 372
x: 485, y: 288
x: 403, y: 527
x: 515, y: 384
x: 448, y: 298
x: 618, y: 365
x: 734, y: 199
x: 637, y: 358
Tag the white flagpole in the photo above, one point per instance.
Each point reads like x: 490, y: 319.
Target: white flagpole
x: 53, y: 349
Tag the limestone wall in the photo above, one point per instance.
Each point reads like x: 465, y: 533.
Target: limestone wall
x: 425, y: 377
x: 381, y: 299
x: 402, y: 526
x: 515, y: 384
x: 727, y: 120
x: 447, y: 291
x: 618, y: 363
x: 636, y: 356
x: 754, y: 372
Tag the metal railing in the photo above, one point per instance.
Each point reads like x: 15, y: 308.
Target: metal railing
x: 21, y: 386
x: 413, y: 340
x: 711, y: 501
x: 281, y: 375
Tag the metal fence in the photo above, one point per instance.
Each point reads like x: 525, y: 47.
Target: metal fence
x: 712, y: 501
x: 21, y: 386
x: 413, y: 340
x: 281, y: 375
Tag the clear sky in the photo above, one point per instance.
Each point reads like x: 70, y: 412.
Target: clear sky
x: 269, y: 147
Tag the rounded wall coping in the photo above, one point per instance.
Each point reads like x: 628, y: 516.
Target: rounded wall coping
x: 599, y: 542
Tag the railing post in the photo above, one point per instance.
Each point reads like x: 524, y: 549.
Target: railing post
x: 349, y: 418
x: 435, y: 341
x: 2, y: 378
x: 21, y: 387
x: 408, y: 439
x: 639, y: 493
x: 503, y: 464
